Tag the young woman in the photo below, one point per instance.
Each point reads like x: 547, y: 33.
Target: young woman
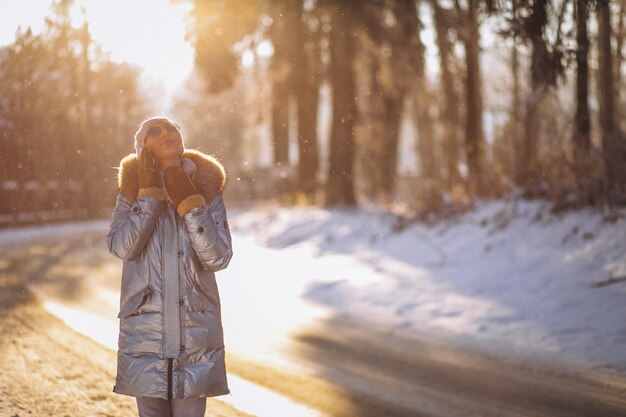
x: 169, y: 226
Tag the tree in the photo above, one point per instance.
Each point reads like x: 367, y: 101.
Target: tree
x: 613, y: 146
x: 405, y: 61
x: 294, y: 67
x: 449, y: 111
x: 282, y: 34
x: 216, y: 27
x: 308, y: 79
x: 390, y: 39
x: 67, y: 118
x: 423, y: 99
x: 544, y: 68
x: 582, y: 125
x: 474, y: 140
x: 340, y: 180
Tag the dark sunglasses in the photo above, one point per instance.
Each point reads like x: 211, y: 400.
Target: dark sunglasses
x: 155, y: 131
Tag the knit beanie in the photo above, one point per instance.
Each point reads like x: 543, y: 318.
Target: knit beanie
x: 142, y: 133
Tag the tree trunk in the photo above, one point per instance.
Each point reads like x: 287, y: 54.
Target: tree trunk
x: 515, y: 144
x: 619, y: 58
x: 340, y: 180
x: 406, y: 65
x: 284, y: 26
x: 392, y: 117
x: 581, y: 139
x: 474, y: 141
x: 449, y: 109
x: 282, y: 73
x: 613, y: 146
x: 421, y: 97
x: 280, y: 123
x: 541, y: 76
x: 373, y: 153
x: 307, y: 93
x: 425, y: 146
x: 605, y: 70
x: 93, y: 190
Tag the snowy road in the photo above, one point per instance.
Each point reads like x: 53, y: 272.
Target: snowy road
x: 316, y: 361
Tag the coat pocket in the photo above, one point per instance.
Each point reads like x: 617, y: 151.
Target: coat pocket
x: 134, y: 304
x: 206, y: 298
x: 207, y: 295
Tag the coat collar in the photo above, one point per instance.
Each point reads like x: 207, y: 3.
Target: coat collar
x: 209, y: 177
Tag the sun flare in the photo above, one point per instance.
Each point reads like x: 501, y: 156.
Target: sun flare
x: 147, y: 33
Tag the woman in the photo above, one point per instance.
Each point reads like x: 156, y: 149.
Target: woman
x: 169, y: 226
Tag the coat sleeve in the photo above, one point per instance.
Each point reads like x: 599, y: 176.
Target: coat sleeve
x: 132, y: 225
x: 209, y: 234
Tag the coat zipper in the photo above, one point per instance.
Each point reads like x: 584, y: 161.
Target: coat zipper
x: 169, y: 378
x: 169, y: 360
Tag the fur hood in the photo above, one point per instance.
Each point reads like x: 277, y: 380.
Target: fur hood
x: 208, y: 175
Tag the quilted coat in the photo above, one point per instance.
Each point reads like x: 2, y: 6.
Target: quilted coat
x: 171, y: 341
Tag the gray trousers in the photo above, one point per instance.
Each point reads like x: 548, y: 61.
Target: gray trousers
x: 158, y: 407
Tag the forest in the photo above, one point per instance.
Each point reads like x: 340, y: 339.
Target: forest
x: 308, y: 102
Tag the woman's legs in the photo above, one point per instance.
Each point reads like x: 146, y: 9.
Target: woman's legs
x: 153, y: 407
x: 157, y: 407
x: 190, y: 407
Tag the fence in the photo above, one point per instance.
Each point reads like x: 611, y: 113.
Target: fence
x: 40, y: 202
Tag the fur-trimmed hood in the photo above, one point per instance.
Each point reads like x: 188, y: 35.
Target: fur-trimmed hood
x: 209, y: 176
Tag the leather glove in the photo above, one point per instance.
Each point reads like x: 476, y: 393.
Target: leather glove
x: 149, y: 176
x: 181, y: 191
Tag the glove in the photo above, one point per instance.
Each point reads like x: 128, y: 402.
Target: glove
x: 181, y: 191
x: 149, y: 177
x: 148, y: 170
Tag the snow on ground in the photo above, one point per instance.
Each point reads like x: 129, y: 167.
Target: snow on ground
x: 510, y: 277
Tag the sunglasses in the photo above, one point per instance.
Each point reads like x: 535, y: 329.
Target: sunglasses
x: 155, y: 131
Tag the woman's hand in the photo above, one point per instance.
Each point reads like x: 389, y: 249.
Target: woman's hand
x: 181, y: 190
x: 148, y: 170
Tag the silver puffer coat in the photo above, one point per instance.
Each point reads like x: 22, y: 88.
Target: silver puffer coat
x: 171, y: 338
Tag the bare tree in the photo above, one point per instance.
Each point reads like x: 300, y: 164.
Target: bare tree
x: 582, y: 125
x: 340, y: 179
x: 613, y: 146
x: 423, y: 97
x: 286, y: 16
x: 544, y: 67
x: 449, y: 110
x: 308, y: 85
x: 474, y: 139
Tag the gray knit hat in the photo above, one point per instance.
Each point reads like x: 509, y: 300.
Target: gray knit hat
x: 142, y: 133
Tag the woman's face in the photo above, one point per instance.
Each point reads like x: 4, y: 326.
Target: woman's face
x: 164, y: 141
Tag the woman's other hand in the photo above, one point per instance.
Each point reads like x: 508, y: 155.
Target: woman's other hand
x: 148, y: 170
x: 181, y: 191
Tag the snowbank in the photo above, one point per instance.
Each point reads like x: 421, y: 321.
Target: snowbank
x: 508, y: 276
